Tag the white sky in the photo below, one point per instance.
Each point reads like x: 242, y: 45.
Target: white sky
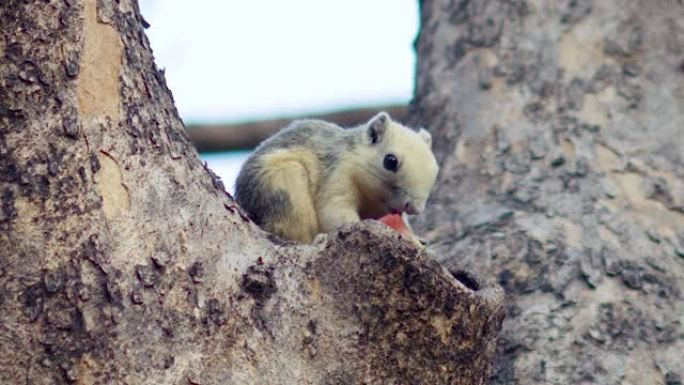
x: 242, y: 60
x: 254, y: 59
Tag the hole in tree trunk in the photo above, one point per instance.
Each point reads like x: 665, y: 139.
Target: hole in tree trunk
x: 467, y: 279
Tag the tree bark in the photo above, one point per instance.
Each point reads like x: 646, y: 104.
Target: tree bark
x: 123, y: 260
x: 559, y: 126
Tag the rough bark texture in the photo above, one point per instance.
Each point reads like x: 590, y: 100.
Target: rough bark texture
x: 123, y: 260
x: 560, y: 129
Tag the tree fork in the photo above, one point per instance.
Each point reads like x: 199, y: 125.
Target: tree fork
x: 124, y: 261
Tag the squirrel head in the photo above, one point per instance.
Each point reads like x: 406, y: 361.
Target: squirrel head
x: 403, y: 168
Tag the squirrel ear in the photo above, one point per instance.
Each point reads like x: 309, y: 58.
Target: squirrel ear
x: 377, y: 127
x: 425, y: 135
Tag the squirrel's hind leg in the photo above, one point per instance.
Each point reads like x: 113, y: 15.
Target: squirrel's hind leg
x: 291, y: 179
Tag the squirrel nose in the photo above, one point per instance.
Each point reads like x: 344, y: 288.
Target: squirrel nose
x: 409, y: 208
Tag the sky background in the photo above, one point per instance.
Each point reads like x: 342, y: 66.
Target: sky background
x: 229, y: 61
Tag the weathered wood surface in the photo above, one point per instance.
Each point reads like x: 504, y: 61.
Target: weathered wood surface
x: 123, y: 261
x: 559, y: 126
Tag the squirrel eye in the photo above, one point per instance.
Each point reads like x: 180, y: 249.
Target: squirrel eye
x: 391, y: 162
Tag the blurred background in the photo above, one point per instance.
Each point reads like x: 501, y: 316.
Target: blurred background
x: 239, y: 70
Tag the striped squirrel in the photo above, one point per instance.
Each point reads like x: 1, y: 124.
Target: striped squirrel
x: 313, y: 176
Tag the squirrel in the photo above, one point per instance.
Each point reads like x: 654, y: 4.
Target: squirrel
x: 314, y: 176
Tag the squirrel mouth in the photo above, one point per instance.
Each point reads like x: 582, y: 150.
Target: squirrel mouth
x: 408, y: 209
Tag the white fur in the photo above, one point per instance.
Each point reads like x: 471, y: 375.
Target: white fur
x: 358, y: 186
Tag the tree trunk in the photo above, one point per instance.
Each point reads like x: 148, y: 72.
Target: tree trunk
x: 559, y: 126
x: 124, y: 261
